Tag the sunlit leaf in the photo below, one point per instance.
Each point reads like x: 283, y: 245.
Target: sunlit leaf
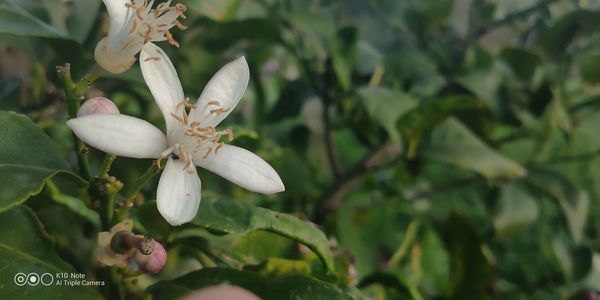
x: 229, y: 216
x: 453, y: 143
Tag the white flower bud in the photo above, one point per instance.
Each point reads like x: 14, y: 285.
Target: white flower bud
x: 98, y: 105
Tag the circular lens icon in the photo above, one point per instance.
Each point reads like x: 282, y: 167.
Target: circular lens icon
x: 47, y: 279
x: 20, y: 279
x: 33, y: 279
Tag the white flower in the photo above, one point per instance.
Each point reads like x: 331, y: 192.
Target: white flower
x: 133, y: 24
x: 190, y: 140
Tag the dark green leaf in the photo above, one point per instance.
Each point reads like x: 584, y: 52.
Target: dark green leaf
x: 471, y: 273
x: 268, y: 288
x: 26, y: 249
x: 228, y: 216
x: 27, y: 158
x: 417, y: 122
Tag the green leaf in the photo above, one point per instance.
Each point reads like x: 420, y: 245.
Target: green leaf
x: 471, y: 273
x: 228, y: 216
x: 82, y: 18
x: 517, y: 210
x: 574, y: 202
x: 25, y: 248
x: 589, y: 67
x: 74, y: 204
x: 453, y: 143
x: 14, y: 20
x: 17, y: 21
x: 238, y: 217
x: 415, y: 123
x: 385, y: 106
x: 268, y: 288
x: 27, y: 158
x: 522, y: 62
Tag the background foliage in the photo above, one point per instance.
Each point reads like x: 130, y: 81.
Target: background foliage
x: 442, y: 149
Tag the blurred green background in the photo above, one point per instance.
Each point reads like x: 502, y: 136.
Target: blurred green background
x: 447, y: 148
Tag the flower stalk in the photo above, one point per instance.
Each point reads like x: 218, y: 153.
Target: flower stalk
x: 137, y: 185
x: 74, y: 96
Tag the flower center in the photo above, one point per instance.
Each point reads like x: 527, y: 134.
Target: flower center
x: 153, y: 24
x: 197, y: 138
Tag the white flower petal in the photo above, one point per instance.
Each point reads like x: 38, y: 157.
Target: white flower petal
x: 243, y: 168
x: 178, y: 194
x: 120, y: 134
x: 162, y: 80
x: 117, y: 13
x: 227, y: 87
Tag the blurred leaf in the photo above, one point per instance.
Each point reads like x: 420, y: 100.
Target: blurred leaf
x: 521, y: 61
x: 344, y: 54
x: 27, y: 158
x: 389, y: 280
x: 471, y: 273
x: 453, y: 143
x: 385, y: 106
x: 435, y: 261
x: 220, y: 35
x: 292, y: 97
x: 268, y: 288
x: 275, y: 266
x: 589, y: 67
x: 25, y: 248
x: 575, y: 263
x: 418, y: 121
x: 517, y: 209
x: 83, y: 15
x: 16, y: 21
x: 574, y: 202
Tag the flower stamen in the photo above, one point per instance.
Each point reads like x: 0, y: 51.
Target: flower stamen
x: 219, y: 111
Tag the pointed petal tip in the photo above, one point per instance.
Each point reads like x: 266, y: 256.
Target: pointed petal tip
x: 242, y: 64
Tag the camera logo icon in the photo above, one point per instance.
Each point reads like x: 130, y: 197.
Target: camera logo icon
x: 33, y: 279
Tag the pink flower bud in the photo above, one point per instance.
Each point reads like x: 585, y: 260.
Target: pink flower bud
x: 98, y: 105
x: 153, y: 262
x: 221, y: 292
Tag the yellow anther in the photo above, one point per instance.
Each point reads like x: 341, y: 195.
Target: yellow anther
x: 229, y: 134
x: 171, y: 40
x: 219, y: 111
x: 176, y: 117
x: 207, y: 153
x: 179, y: 25
x: 152, y: 58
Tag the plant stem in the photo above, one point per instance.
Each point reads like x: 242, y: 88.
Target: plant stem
x: 133, y: 189
x: 108, y: 161
x: 74, y: 93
